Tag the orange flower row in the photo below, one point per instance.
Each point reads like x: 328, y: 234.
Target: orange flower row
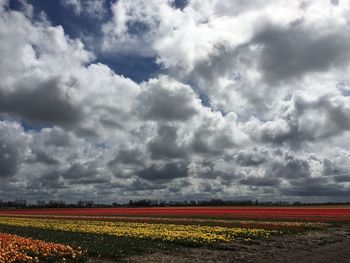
x: 14, y: 248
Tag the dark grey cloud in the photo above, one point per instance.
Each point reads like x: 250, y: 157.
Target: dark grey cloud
x: 139, y: 184
x: 178, y: 187
x: 314, y: 187
x: 79, y: 171
x: 129, y: 156
x: 209, y: 170
x: 209, y: 141
x: 135, y: 185
x: 330, y: 190
x: 251, y: 158
x: 167, y: 172
x: 342, y: 178
x: 58, y: 137
x: 95, y: 180
x: 297, y: 50
x: 45, y: 158
x: 45, y: 103
x: 9, y: 159
x: 306, y: 119
x: 76, y: 174
x: 107, y: 116
x: 277, y: 131
x: 334, y: 2
x: 290, y: 167
x: 49, y: 181
x: 331, y: 168
x: 223, y: 62
x: 211, y: 188
x: 165, y: 144
x: 334, y: 109
x: 13, y: 148
x: 261, y: 181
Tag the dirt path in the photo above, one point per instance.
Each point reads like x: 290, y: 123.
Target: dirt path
x: 329, y: 246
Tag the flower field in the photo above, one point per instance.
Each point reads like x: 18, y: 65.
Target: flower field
x: 18, y: 249
x: 257, y: 224
x: 119, y: 231
x: 166, y: 232
x: 324, y: 214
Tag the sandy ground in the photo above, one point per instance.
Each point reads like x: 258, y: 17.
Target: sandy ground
x: 329, y: 246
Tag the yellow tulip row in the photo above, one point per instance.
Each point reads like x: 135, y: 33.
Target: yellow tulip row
x: 14, y: 248
x: 188, y: 221
x: 166, y: 232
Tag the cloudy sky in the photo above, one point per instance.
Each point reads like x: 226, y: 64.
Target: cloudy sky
x: 175, y: 99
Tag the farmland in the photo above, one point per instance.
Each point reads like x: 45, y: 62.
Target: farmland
x: 326, y: 213
x: 122, y: 234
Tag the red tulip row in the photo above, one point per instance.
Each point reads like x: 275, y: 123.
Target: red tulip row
x: 329, y: 214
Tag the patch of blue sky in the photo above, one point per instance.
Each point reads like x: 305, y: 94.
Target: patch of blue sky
x: 137, y: 68
x: 181, y: 4
x: 85, y: 27
x: 80, y: 26
x: 204, y: 98
x: 28, y: 127
x: 137, y: 28
x: 33, y: 127
x: 344, y: 87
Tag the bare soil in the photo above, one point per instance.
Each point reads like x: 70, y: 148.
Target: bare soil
x: 326, y: 246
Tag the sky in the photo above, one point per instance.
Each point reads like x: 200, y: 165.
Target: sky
x: 175, y: 100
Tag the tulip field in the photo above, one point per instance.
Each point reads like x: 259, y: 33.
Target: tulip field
x: 18, y: 249
x: 73, y: 235
x: 326, y: 213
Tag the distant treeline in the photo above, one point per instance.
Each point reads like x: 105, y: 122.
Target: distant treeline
x: 23, y: 204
